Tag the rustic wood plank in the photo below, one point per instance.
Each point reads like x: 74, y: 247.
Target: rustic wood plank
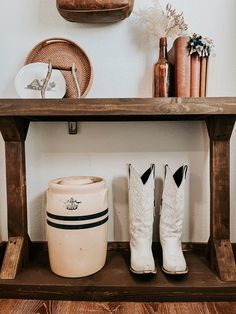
x: 220, y: 250
x: 148, y: 108
x: 115, y: 282
x: 27, y: 306
x: 220, y: 194
x: 60, y: 307
x: 222, y: 307
x: 109, y: 283
x: 14, y: 131
x: 225, y: 260
x: 13, y: 258
x: 16, y: 188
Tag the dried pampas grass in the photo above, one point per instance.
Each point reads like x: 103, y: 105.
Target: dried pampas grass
x: 162, y: 23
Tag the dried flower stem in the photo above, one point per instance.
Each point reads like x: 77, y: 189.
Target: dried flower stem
x: 162, y: 23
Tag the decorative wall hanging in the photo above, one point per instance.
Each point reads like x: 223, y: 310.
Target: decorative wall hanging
x: 95, y: 11
x: 65, y: 55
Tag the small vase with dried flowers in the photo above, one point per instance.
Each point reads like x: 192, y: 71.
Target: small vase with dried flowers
x: 162, y: 24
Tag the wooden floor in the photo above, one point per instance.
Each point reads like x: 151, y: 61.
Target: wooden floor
x: 67, y: 307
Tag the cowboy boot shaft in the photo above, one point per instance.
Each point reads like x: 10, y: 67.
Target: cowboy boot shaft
x: 141, y: 217
x: 141, y: 204
x: 172, y: 208
x: 171, y: 221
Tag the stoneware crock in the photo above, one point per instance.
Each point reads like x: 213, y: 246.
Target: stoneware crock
x: 77, y: 215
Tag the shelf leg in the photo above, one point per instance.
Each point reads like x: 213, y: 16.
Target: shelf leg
x: 12, y: 258
x: 220, y: 252
x: 14, y: 131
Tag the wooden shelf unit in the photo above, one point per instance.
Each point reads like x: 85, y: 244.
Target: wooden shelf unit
x: 34, y: 279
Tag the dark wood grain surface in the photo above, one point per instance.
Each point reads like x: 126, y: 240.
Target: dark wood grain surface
x: 72, y: 307
x: 14, y: 131
x: 155, y: 108
x: 115, y: 282
x: 220, y: 250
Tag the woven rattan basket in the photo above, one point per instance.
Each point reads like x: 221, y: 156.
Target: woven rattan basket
x: 62, y: 53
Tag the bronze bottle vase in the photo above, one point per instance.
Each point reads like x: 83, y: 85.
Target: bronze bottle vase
x: 162, y: 72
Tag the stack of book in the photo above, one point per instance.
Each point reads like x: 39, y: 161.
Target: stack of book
x: 190, y: 71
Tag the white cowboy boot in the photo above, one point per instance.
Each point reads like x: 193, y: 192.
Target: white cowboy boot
x: 171, y: 221
x: 141, y: 216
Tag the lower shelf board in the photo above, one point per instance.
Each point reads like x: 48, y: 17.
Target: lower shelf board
x: 115, y: 282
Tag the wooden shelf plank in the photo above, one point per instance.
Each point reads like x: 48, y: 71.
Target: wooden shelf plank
x: 115, y: 282
x: 190, y: 108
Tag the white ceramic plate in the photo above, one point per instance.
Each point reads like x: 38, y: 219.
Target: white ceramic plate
x: 29, y: 81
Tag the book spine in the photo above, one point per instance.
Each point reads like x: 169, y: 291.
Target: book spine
x: 203, y: 77
x: 212, y: 77
x: 182, y: 67
x: 195, y: 75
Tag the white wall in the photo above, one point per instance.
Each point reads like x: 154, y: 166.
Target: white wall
x: 123, y: 68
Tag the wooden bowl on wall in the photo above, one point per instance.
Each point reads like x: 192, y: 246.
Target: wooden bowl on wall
x: 95, y: 11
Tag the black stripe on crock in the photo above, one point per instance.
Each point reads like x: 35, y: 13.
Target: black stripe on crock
x: 77, y: 227
x: 77, y: 218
